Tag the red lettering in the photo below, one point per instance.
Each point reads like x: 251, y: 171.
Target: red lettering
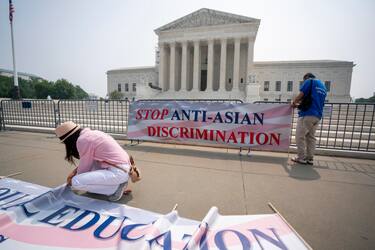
x: 211, y: 135
x: 232, y: 137
x: 251, y: 142
x: 164, y: 113
x: 164, y: 131
x: 220, y: 134
x: 151, y: 131
x: 171, y: 134
x: 155, y: 114
x: 184, y: 132
x: 258, y: 139
x: 243, y: 134
x: 138, y: 116
x: 276, y: 138
x: 201, y: 135
x: 192, y: 133
x: 147, y: 112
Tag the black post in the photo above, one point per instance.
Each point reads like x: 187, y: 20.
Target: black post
x: 16, y: 93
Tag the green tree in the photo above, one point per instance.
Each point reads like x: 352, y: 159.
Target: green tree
x: 6, y: 85
x: 62, y: 89
x: 43, y: 88
x: 40, y: 89
x: 26, y: 88
x: 116, y: 95
x: 80, y: 93
x: 366, y: 100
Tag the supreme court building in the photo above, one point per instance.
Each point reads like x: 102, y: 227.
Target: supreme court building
x: 209, y: 54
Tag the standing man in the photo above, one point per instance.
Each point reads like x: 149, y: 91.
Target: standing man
x: 308, y: 117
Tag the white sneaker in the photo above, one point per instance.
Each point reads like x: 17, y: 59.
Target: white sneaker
x: 310, y: 162
x: 298, y: 160
x: 119, y: 192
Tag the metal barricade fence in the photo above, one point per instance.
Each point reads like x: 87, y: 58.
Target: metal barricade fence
x: 29, y: 113
x: 192, y: 100
x: 109, y: 116
x: 344, y: 126
x: 2, y: 125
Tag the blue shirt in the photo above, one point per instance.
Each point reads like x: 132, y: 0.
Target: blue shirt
x: 318, y: 93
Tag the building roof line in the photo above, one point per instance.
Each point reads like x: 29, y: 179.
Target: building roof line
x: 19, y: 73
x: 244, y: 19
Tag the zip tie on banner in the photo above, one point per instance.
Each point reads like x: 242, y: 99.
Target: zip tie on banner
x: 175, y: 207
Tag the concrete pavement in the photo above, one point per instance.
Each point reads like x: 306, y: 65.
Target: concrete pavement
x: 332, y: 205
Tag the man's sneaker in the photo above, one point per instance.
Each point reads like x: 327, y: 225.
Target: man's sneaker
x: 119, y: 192
x: 298, y: 160
x: 310, y: 162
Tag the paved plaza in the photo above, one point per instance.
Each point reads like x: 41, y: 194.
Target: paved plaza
x: 332, y: 205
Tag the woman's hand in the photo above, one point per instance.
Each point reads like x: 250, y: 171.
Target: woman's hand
x: 70, y: 177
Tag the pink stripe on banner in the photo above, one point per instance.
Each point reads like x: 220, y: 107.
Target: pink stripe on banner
x: 53, y: 236
x: 59, y: 237
x: 263, y: 225
x: 278, y: 111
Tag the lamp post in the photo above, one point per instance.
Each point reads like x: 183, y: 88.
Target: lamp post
x: 16, y: 90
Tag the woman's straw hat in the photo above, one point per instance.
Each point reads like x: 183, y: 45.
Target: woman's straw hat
x: 66, y: 129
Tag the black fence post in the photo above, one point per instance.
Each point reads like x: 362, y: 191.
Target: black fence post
x: 2, y: 122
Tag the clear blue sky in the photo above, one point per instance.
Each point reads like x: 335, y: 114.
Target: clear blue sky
x: 81, y: 39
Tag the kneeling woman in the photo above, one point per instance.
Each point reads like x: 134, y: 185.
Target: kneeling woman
x: 104, y: 167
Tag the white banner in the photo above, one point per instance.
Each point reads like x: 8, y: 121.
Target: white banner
x: 265, y: 126
x: 36, y: 217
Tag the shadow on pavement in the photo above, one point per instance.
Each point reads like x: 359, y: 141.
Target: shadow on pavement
x: 301, y: 172
x: 125, y: 198
x: 298, y: 171
x: 206, y: 154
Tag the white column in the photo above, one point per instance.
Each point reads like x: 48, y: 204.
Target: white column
x: 184, y: 66
x: 172, y: 67
x: 196, y: 69
x: 223, y: 64
x: 162, y: 67
x: 252, y: 89
x: 236, y: 63
x: 250, y: 59
x: 210, y: 65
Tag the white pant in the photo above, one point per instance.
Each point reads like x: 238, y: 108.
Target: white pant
x: 101, y: 181
x: 305, y: 136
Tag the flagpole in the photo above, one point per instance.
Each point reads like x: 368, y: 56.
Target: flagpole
x: 15, y: 74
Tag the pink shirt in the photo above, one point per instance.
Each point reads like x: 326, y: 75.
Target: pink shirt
x: 94, y: 145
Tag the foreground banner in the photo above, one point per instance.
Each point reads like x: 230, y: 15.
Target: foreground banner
x: 264, y: 126
x: 35, y: 217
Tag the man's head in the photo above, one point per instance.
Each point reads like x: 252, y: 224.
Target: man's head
x: 308, y: 76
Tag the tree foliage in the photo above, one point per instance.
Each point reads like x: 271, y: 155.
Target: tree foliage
x: 6, y: 85
x: 62, y: 89
x: 80, y: 93
x: 116, y: 95
x: 40, y: 89
x: 43, y: 89
x: 366, y: 100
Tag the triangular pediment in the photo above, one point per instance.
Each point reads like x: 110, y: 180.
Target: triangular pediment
x: 206, y: 17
